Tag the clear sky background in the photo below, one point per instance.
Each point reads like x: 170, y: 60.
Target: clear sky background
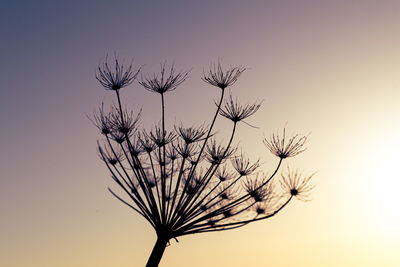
x: 328, y: 68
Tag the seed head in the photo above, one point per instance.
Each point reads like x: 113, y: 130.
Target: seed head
x: 186, y: 150
x: 134, y: 146
x: 255, y: 188
x: 171, y: 152
x: 124, y: 123
x: 102, y: 120
x: 146, y: 142
x: 118, y: 136
x: 283, y: 148
x: 114, y: 76
x: 295, y: 184
x: 160, y: 137
x: 243, y: 166
x: 109, y: 156
x: 226, y: 192
x: 223, y: 175
x: 216, y: 153
x: 167, y: 80
x: 237, y: 112
x: 191, y: 134
x: 222, y: 79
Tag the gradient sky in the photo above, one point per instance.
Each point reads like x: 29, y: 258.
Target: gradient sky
x: 328, y: 68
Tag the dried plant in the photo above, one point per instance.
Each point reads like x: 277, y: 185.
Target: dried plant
x: 182, y: 181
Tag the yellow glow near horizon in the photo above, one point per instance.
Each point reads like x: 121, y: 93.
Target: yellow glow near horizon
x: 381, y: 180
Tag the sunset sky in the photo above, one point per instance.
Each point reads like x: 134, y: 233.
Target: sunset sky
x: 330, y: 69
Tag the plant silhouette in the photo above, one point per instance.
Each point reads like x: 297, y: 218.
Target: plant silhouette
x: 182, y: 180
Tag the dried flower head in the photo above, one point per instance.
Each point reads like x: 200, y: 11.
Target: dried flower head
x: 126, y: 122
x: 217, y: 153
x: 257, y: 189
x: 146, y: 142
x: 237, y: 112
x: 267, y: 206
x: 222, y: 79
x: 160, y: 137
x: 110, y: 155
x: 259, y: 209
x: 190, y: 186
x: 283, y: 148
x: 159, y: 158
x: 226, y: 192
x: 171, y: 152
x: 186, y: 151
x: 167, y: 80
x: 294, y: 183
x: 118, y: 136
x: 191, y: 134
x: 114, y: 76
x: 102, y: 120
x: 134, y: 146
x: 243, y: 166
x: 223, y: 174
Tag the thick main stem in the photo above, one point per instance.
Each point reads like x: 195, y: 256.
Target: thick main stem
x: 158, y: 251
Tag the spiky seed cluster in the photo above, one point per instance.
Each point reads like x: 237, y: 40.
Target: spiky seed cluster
x: 161, y: 137
x: 186, y: 150
x: 192, y: 185
x: 115, y: 126
x: 216, y: 76
x: 101, y: 120
x: 283, y: 148
x: 110, y: 155
x: 259, y: 209
x: 236, y: 112
x: 265, y: 207
x: 216, y: 153
x: 125, y: 123
x: 114, y: 76
x: 145, y: 141
x: 223, y: 174
x: 243, y: 166
x: 256, y: 189
x: 226, y: 192
x: 118, y: 137
x: 191, y: 134
x: 134, y: 147
x: 297, y: 184
x: 171, y: 153
x: 168, y: 80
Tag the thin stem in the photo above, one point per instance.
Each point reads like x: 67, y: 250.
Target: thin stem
x: 200, y: 153
x: 226, y: 151
x: 213, y: 228
x: 152, y: 200
x: 123, y: 187
x: 163, y: 170
x: 177, y: 187
x: 229, y: 205
x: 155, y: 179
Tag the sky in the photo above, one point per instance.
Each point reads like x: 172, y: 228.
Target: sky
x: 329, y: 69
